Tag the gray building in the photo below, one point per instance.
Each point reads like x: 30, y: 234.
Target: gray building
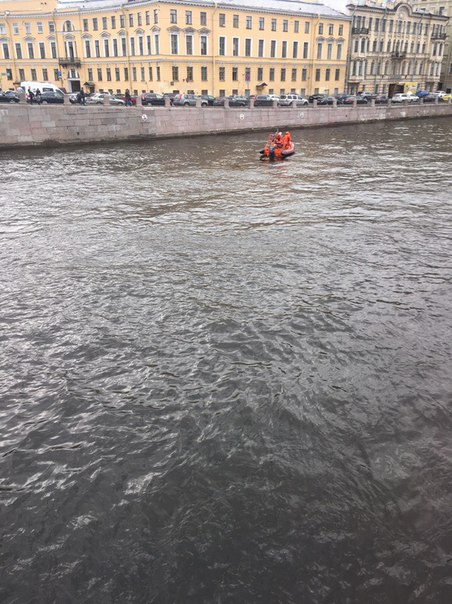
x: 395, y: 47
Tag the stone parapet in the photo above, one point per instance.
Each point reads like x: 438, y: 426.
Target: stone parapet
x: 25, y: 125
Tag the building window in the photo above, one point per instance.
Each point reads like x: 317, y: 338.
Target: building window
x: 117, y: 74
x: 97, y: 48
x: 188, y: 17
x: 40, y: 29
x: 156, y: 16
x: 130, y: 20
x: 222, y: 20
x: 319, y: 51
x: 305, y: 50
x: 140, y: 20
x: 235, y: 74
x: 222, y: 46
x: 21, y: 75
x: 327, y: 75
x: 95, y: 24
x: 261, y: 26
x: 294, y: 75
x: 330, y: 30
x: 317, y: 75
x: 273, y: 49
x: 16, y: 29
x: 42, y: 50
x: 249, y: 22
x: 87, y: 49
x: 284, y: 49
x: 271, y: 74
x: 157, y: 69
x: 304, y: 75
x: 27, y: 29
x: 221, y: 74
x: 329, y: 51
x: 247, y: 47
x: 85, y: 25
x: 306, y: 27
x: 173, y: 16
x: 31, y: 50
x: 339, y: 51
x: 5, y: 50
x: 156, y: 44
x: 247, y: 74
x: 51, y: 27
x: 124, y: 47
x: 341, y: 30
x: 140, y: 46
x: 45, y: 74
x: 320, y: 29
x: 235, y: 21
x: 108, y: 74
x: 174, y: 44
x: 189, y: 74
x: 283, y: 74
x: 285, y: 25
x: 273, y: 24
x: 33, y: 75
x: 204, y: 45
x: 106, y: 48
x: 148, y: 45
x: 53, y: 50
x: 134, y: 74
x: 296, y: 27
x: 99, y: 74
x: 175, y: 74
x: 260, y: 51
x: 235, y: 47
x: 189, y: 45
x: 295, y: 50
x: 104, y: 23
x: 203, y: 18
x: 260, y: 73
x: 204, y: 74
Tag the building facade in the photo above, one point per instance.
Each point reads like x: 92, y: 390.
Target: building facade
x: 205, y: 47
x: 394, y: 47
x: 441, y: 7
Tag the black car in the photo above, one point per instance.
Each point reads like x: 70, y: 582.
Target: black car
x: 234, y: 101
x: 428, y: 98
x: 327, y: 100
x: 209, y: 98
x: 152, y: 98
x: 360, y: 100
x: 49, y: 97
x: 8, y: 96
x: 316, y: 97
x: 263, y: 100
x: 381, y: 99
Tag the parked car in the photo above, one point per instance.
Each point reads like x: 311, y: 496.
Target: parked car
x: 170, y: 95
x: 400, y: 97
x: 341, y: 98
x: 381, y: 99
x: 209, y: 98
x: 49, y: 96
x: 289, y: 100
x: 188, y: 100
x: 421, y: 93
x: 98, y: 99
x: 234, y: 101
x: 327, y: 100
x: 152, y: 98
x: 368, y: 95
x: 263, y: 100
x: 429, y: 98
x: 9, y: 96
x: 316, y: 97
x: 446, y: 97
x: 360, y: 100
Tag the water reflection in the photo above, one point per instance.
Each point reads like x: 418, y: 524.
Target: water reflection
x: 224, y: 380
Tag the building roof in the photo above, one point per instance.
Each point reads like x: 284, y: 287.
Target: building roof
x: 281, y: 6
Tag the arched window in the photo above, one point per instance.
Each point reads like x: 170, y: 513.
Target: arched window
x: 67, y: 26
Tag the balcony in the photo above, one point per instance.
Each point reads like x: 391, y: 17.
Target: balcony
x: 438, y: 36
x: 398, y: 55
x: 70, y: 61
x: 363, y: 31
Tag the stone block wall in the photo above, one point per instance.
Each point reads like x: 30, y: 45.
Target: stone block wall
x: 24, y: 125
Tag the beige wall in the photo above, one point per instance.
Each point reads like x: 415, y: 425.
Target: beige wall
x: 157, y: 69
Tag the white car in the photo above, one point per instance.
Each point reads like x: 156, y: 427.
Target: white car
x: 289, y: 100
x: 400, y: 97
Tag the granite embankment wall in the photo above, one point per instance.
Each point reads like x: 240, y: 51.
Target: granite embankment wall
x: 24, y: 125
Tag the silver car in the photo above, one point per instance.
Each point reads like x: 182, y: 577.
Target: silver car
x: 98, y: 99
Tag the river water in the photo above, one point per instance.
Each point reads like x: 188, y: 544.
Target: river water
x: 224, y: 381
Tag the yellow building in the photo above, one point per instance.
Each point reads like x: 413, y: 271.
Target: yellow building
x: 205, y: 47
